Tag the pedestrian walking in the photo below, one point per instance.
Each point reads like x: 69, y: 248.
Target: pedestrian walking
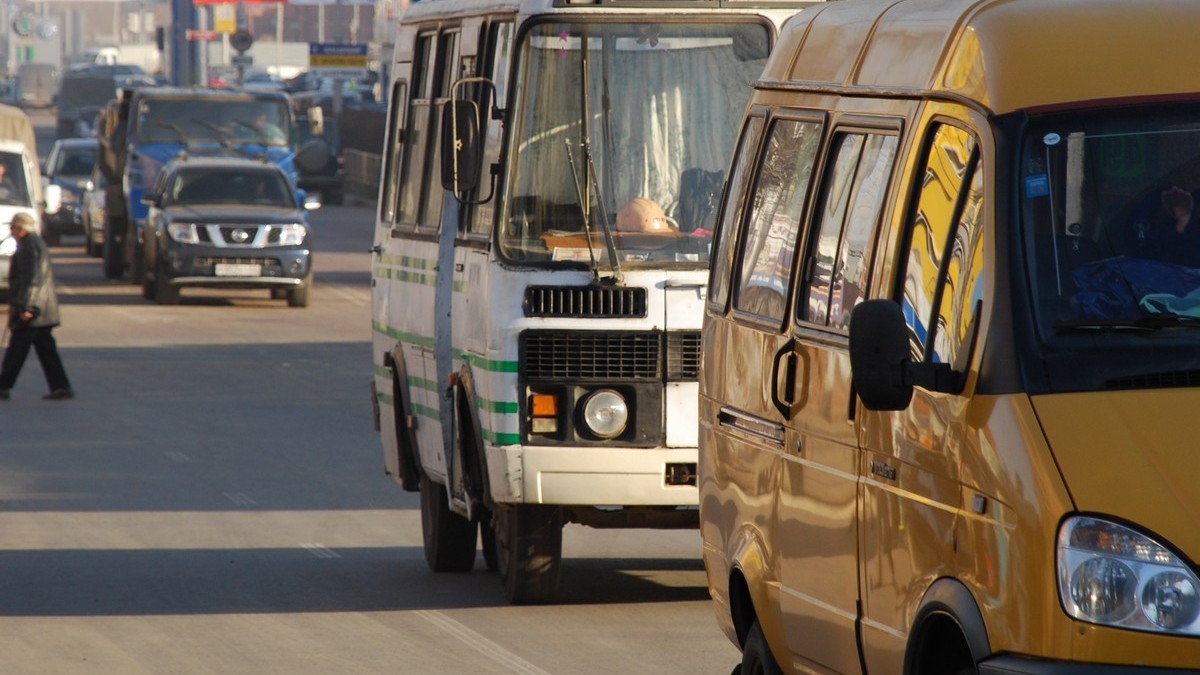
x: 32, y: 312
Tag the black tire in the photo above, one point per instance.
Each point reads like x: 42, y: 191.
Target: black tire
x: 114, y: 256
x: 164, y: 292
x: 149, y: 292
x: 334, y: 198
x: 487, y: 541
x: 298, y: 296
x: 137, y: 266
x: 529, y: 551
x: 449, y: 538
x: 757, y: 658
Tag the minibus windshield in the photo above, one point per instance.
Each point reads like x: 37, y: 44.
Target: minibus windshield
x: 621, y: 132
x: 1111, y: 221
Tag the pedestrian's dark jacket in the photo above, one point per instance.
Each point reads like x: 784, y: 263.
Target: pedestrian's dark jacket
x: 31, y: 285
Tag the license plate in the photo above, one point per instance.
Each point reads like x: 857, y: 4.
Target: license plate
x: 237, y: 270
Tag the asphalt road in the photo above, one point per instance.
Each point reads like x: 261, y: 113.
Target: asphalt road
x: 213, y: 501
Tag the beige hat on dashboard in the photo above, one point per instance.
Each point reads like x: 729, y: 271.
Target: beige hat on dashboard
x: 643, y: 215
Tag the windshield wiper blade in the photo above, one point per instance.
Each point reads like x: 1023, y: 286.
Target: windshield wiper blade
x: 1147, y: 322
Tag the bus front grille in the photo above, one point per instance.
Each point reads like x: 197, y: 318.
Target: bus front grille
x: 585, y: 302
x: 613, y: 356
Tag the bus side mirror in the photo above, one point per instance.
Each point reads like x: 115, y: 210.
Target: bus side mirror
x: 878, y: 355
x: 462, y: 161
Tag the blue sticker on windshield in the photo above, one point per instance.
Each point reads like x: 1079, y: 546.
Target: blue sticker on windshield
x: 1037, y: 186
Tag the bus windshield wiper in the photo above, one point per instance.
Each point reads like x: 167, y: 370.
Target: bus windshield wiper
x: 1147, y: 322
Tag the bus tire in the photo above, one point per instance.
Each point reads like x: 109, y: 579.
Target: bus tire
x: 449, y: 538
x: 757, y: 658
x: 529, y: 551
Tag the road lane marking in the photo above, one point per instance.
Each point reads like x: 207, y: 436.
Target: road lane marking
x: 177, y: 456
x: 320, y: 551
x: 480, y: 643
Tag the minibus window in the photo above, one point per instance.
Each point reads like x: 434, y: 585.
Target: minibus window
x: 500, y: 38
x: 846, y: 225
x: 963, y: 275
x: 730, y: 223
x: 392, y: 157
x: 777, y: 208
x: 932, y: 223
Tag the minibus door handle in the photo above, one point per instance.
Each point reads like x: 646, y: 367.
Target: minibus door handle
x: 783, y: 380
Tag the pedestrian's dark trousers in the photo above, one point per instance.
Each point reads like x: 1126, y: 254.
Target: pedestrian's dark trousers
x: 43, y: 343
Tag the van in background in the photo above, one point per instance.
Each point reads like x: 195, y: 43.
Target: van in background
x: 951, y: 350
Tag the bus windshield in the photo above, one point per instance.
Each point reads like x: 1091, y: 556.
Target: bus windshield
x: 621, y: 132
x: 213, y: 120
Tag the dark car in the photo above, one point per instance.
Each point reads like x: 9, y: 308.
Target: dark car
x: 223, y: 222
x: 69, y: 165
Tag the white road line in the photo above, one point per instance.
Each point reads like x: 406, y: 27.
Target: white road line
x: 178, y: 456
x: 479, y: 643
x: 240, y: 498
x: 320, y: 551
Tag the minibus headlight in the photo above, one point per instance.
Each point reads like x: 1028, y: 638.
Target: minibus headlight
x: 605, y: 413
x: 1112, y: 575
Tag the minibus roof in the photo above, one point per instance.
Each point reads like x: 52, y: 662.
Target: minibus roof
x: 1003, y: 55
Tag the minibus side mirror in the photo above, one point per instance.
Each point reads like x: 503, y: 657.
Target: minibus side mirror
x: 881, y: 366
x: 878, y: 352
x: 461, y: 159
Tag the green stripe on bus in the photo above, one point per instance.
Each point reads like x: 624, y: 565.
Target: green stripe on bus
x: 406, y: 338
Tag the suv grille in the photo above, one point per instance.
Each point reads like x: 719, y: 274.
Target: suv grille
x: 557, y: 355
x: 592, y: 302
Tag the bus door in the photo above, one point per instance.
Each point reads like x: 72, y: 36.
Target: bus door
x: 486, y: 49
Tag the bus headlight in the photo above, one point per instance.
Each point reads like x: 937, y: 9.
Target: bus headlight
x: 1113, y: 575
x: 605, y: 413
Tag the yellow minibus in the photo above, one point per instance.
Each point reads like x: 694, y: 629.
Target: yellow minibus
x: 951, y: 349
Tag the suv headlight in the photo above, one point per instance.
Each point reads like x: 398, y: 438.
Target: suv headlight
x: 1112, y: 575
x: 184, y: 233
x: 292, y: 235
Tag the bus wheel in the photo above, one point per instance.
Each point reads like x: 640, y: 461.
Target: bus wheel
x: 529, y: 551
x: 757, y: 658
x: 449, y: 538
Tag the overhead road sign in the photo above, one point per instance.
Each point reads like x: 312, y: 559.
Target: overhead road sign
x: 337, y: 60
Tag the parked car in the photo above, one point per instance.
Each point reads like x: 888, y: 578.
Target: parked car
x: 92, y: 207
x: 69, y: 165
x: 225, y: 222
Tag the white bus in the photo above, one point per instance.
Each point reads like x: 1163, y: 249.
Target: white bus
x: 540, y: 260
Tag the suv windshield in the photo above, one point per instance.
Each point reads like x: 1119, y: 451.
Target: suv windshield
x: 627, y: 126
x: 199, y: 187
